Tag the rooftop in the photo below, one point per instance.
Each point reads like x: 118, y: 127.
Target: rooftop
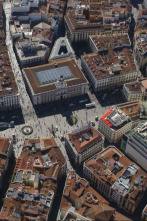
x: 29, y: 49
x: 83, y: 138
x: 117, y: 116
x: 14, y: 209
x: 139, y: 133
x: 141, y: 28
x: 115, y: 169
x: 39, y: 156
x: 99, y: 16
x: 7, y: 79
x: 131, y: 109
x: 43, y: 32
x: 24, y: 3
x: 113, y: 41
x: 61, y: 49
x: 110, y: 63
x: 34, y: 182
x: 72, y: 75
x: 77, y: 191
x: 4, y: 145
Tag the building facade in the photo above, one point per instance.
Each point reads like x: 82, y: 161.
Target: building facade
x: 118, y: 120
x: 58, y: 80
x: 83, y: 143
x: 107, y: 67
x: 114, y: 175
x: 136, y: 90
x: 31, y: 52
x: 83, y: 20
x: 135, y: 146
x: 114, y: 124
x: 33, y: 187
x: 6, y: 151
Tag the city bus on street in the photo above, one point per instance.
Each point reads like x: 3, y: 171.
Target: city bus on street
x: 83, y: 101
x: 90, y: 105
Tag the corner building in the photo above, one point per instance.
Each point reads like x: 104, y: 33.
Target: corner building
x: 119, y: 179
x: 83, y: 143
x: 60, y: 79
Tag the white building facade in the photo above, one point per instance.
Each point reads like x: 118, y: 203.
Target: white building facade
x: 80, y: 156
x: 110, y: 81
x: 9, y: 101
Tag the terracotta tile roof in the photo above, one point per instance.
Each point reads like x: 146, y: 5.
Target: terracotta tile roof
x: 90, y: 203
x: 103, y: 65
x: 38, y: 88
x: 84, y: 138
x: 117, y: 163
x: 4, y: 143
x: 132, y: 109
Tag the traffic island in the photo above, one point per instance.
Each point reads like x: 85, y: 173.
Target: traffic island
x: 27, y: 130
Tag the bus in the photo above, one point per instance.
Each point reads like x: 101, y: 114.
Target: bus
x: 90, y: 105
x: 83, y: 101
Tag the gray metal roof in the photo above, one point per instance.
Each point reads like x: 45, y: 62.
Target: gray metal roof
x: 55, y: 53
x: 52, y: 75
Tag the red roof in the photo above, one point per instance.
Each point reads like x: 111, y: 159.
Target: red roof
x: 103, y: 118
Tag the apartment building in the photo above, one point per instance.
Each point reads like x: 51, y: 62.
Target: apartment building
x: 136, y: 90
x: 102, y: 43
x: 6, y: 151
x: 31, y: 52
x: 24, y: 7
x: 141, y: 39
x: 44, y: 33
x: 18, y: 29
x: 134, y: 144
x: 118, y: 120
x: 60, y: 79
x: 89, y: 18
x: 81, y: 202
x: 83, y: 143
x: 119, y: 179
x: 111, y: 64
x: 36, y: 176
x: 9, y: 96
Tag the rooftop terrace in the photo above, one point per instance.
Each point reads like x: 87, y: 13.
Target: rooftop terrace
x: 83, y: 138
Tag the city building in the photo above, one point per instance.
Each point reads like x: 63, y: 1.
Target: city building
x: 134, y: 144
x: 90, y: 18
x: 119, y: 179
x: 84, y: 142
x: 81, y: 202
x: 36, y: 176
x: 118, y: 120
x: 136, y: 90
x: 6, y: 151
x: 24, y: 7
x: 61, y: 49
x: 111, y: 64
x: 60, y: 79
x: 18, y: 29
x: 30, y: 52
x: 144, y: 214
x: 43, y: 33
x: 2, y: 34
x: 33, y: 18
x: 102, y: 43
x: 9, y: 96
x: 141, y: 39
